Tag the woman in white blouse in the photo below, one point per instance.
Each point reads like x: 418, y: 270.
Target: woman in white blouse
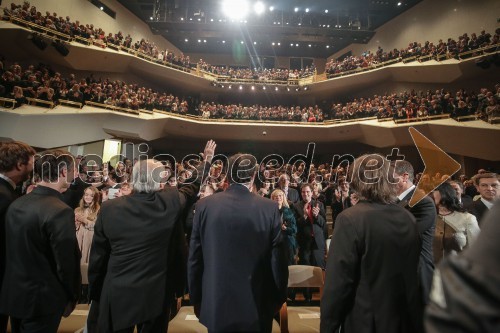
x: 455, y: 229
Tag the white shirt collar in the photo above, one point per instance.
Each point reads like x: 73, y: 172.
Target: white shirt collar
x: 405, y: 193
x: 8, y: 180
x: 487, y: 203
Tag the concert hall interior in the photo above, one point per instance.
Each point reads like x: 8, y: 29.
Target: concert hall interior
x: 118, y: 81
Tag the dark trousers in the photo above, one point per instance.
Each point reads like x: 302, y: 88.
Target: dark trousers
x: 42, y: 324
x: 93, y: 317
x: 3, y: 318
x: 156, y: 325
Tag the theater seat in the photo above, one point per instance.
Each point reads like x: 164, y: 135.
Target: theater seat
x: 76, y: 321
x: 297, y: 318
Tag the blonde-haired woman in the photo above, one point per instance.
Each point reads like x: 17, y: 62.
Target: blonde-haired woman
x: 289, y: 226
x: 85, y: 217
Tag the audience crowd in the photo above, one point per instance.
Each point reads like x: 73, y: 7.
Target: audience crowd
x: 257, y: 74
x: 93, y: 34
x: 451, y: 48
x: 415, y: 50
x: 42, y: 82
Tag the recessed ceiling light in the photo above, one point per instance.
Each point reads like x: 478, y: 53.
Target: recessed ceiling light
x: 186, y: 40
x: 204, y: 41
x: 253, y: 88
x: 307, y: 10
x: 326, y: 11
x: 199, y: 40
x: 328, y: 46
x: 271, y: 8
x: 296, y: 9
x: 399, y: 3
x: 254, y: 43
x: 297, y: 45
x: 309, y: 45
x: 241, y: 42
x: 279, y: 44
x: 182, y: 18
x: 241, y: 87
x: 223, y: 42
x: 273, y: 43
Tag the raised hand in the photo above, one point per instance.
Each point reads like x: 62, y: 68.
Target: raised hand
x: 209, y: 151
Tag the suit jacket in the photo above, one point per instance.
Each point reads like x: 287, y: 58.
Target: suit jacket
x: 425, y: 214
x: 305, y: 229
x: 293, y: 195
x: 371, y: 283
x: 42, y: 273
x: 237, y: 267
x: 7, y: 196
x: 138, y: 256
x: 339, y: 206
x: 478, y: 209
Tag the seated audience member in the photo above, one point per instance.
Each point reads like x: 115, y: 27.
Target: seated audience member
x: 487, y: 184
x: 455, y: 229
x: 465, y: 293
x: 85, y: 217
x: 371, y: 282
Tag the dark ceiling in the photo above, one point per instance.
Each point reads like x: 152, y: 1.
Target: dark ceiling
x: 199, y: 26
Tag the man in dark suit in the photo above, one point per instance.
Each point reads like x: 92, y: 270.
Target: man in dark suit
x: 425, y: 214
x: 284, y: 184
x: 341, y: 198
x: 138, y: 257
x: 237, y: 269
x: 42, y: 271
x: 465, y: 200
x: 16, y: 166
x: 489, y: 188
x: 311, y: 219
x: 371, y: 283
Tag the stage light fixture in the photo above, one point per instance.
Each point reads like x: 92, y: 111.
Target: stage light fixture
x: 259, y: 8
x: 235, y: 9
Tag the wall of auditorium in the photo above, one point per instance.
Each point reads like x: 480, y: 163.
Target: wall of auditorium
x: 86, y: 13
x: 432, y: 20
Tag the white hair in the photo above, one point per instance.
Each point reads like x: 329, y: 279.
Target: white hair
x: 146, y: 176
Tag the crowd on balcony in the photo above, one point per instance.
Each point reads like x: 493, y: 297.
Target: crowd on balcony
x: 43, y: 83
x: 257, y: 74
x: 414, y: 50
x: 93, y: 34
x: 413, y: 104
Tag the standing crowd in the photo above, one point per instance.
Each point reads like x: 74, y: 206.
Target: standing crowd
x: 244, y: 223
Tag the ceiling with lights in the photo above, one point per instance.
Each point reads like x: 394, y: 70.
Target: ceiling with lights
x: 289, y: 28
